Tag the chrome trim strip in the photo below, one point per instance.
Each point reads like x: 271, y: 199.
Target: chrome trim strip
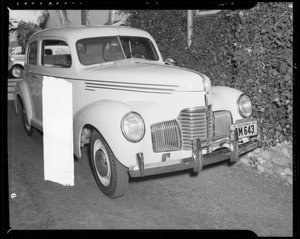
x: 188, y: 163
x: 166, y: 136
x: 87, y: 80
x: 133, y: 90
x: 196, y: 122
x: 197, y: 155
x: 130, y: 83
x: 208, y: 130
x: 92, y: 85
x: 140, y: 162
x: 234, y: 156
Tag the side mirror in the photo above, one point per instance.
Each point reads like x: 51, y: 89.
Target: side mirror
x: 170, y: 61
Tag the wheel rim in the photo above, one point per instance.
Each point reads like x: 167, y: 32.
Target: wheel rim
x: 17, y: 72
x: 28, y: 127
x: 101, y: 162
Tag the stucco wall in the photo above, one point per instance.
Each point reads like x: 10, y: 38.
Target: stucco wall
x: 97, y: 17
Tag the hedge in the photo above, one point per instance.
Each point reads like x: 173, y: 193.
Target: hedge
x: 250, y: 50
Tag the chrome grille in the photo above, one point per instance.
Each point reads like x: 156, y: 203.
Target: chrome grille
x: 166, y: 136
x: 196, y: 123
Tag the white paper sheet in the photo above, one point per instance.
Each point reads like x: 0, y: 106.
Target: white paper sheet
x: 58, y: 131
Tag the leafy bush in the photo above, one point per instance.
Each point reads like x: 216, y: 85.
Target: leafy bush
x: 25, y: 30
x: 250, y: 50
x: 264, y: 65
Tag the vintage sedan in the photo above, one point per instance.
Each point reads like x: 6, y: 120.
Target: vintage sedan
x: 16, y: 65
x: 139, y: 115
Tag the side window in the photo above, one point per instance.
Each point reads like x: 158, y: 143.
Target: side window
x: 32, y: 53
x: 56, y: 53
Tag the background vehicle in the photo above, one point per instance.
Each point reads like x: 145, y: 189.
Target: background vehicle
x: 140, y: 115
x: 16, y: 65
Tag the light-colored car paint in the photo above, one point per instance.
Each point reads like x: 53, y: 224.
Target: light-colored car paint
x: 104, y: 93
x: 15, y: 60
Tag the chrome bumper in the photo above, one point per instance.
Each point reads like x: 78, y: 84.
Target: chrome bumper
x: 197, y: 160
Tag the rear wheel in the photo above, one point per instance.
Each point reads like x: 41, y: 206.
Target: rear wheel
x: 110, y: 175
x: 28, y: 128
x: 16, y: 71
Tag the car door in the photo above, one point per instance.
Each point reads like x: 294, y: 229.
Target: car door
x: 55, y: 61
x: 31, y: 76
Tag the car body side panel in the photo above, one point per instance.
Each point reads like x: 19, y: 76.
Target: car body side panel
x: 18, y: 60
x: 106, y: 117
x: 108, y: 123
x: 22, y: 91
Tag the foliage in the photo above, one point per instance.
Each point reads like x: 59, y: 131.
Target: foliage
x: 25, y: 30
x: 250, y: 50
x: 43, y: 18
x: 264, y: 65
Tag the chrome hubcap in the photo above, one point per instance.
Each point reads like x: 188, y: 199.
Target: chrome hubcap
x: 17, y: 72
x: 101, y: 162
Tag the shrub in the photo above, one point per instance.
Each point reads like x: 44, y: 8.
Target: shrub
x: 263, y: 57
x: 250, y: 50
x: 25, y: 30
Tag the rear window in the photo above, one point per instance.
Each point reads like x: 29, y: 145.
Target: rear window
x: 56, y: 53
x: 32, y: 53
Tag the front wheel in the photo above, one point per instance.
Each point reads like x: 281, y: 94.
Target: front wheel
x: 110, y: 175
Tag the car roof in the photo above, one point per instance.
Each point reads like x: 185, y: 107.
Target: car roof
x: 79, y: 32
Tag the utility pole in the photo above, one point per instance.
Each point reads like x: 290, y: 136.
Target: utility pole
x: 189, y: 27
x: 111, y: 17
x: 85, y: 17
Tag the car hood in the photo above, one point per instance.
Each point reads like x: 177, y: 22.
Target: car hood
x: 146, y: 76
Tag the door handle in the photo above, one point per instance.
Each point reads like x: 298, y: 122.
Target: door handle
x: 34, y: 76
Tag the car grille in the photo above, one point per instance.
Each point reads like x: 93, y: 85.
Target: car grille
x: 196, y: 123
x: 166, y: 136
x: 175, y: 135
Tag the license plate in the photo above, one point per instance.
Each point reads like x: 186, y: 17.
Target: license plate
x: 246, y: 129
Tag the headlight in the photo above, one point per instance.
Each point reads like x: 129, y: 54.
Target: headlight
x: 133, y: 127
x: 244, y: 106
x: 12, y: 59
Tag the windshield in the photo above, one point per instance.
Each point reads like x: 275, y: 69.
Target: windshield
x: 107, y: 49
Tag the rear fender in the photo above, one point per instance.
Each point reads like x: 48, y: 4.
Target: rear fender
x: 22, y: 91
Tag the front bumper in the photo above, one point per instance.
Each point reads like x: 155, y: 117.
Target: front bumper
x: 197, y: 161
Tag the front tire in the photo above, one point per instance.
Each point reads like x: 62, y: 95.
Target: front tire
x: 28, y: 128
x: 110, y: 175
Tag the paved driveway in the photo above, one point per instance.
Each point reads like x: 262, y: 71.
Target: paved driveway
x: 220, y: 197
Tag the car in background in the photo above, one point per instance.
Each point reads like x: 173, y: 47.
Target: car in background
x: 16, y: 65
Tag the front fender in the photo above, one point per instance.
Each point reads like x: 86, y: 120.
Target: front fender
x: 106, y: 117
x: 225, y: 98
x: 22, y: 91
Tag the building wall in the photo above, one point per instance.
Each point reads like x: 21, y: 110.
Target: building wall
x: 97, y: 17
